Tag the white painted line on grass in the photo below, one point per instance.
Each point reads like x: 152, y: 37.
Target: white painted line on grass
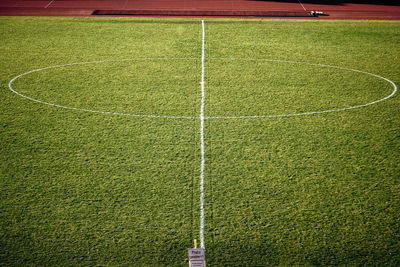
x: 49, y: 3
x: 202, y: 142
x: 96, y: 111
x: 311, y: 112
x: 10, y: 84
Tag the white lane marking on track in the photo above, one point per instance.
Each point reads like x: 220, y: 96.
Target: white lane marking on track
x: 302, y: 5
x: 206, y: 118
x: 202, y: 142
x: 49, y: 3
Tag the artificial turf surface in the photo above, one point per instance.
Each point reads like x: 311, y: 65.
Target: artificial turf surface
x: 83, y: 188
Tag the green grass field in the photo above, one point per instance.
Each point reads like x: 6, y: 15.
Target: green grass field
x: 90, y: 188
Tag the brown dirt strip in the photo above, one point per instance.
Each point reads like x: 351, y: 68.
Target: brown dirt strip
x: 245, y: 8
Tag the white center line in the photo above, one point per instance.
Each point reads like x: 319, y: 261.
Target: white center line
x: 202, y: 143
x: 49, y: 3
x: 302, y: 6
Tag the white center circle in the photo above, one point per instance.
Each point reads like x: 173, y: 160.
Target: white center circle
x: 10, y: 85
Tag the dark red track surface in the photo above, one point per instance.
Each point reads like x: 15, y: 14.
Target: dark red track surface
x: 337, y: 10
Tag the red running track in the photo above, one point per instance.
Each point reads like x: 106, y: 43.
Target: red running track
x: 336, y: 10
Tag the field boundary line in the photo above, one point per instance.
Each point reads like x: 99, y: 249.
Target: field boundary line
x: 202, y: 141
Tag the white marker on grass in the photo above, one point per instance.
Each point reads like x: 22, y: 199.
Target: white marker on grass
x: 202, y: 142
